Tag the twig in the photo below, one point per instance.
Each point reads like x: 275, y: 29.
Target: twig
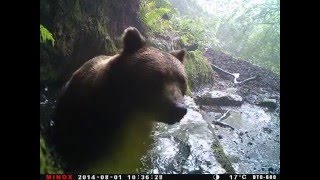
x: 219, y: 121
x: 235, y: 75
x: 224, y: 116
x: 216, y: 67
x: 222, y: 124
x: 249, y: 79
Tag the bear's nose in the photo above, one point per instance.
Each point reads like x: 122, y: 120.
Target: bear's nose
x: 181, y: 110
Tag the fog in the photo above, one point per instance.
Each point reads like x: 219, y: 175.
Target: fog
x: 246, y: 29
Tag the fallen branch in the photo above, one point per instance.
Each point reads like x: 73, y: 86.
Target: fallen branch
x: 224, y: 116
x: 222, y: 124
x: 235, y: 75
x: 249, y: 79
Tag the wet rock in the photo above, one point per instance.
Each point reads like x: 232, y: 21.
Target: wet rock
x: 219, y: 98
x: 184, y: 147
x: 199, y: 171
x: 165, y: 16
x: 269, y: 103
x: 189, y: 102
x: 215, y: 109
x: 267, y: 130
x: 211, y: 116
x: 191, y: 47
x: 160, y: 43
x: 43, y: 99
x: 251, y: 141
x: 252, y: 98
x: 270, y: 169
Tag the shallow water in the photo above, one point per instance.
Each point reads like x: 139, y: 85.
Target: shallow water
x: 254, y: 145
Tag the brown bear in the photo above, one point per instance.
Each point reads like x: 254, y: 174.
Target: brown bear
x: 104, y: 114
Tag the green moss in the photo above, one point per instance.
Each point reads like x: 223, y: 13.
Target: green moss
x: 219, y: 154
x: 189, y: 93
x: 101, y: 29
x: 110, y: 45
x: 222, y: 158
x: 47, y: 165
x: 76, y: 15
x: 198, y: 69
x: 47, y: 73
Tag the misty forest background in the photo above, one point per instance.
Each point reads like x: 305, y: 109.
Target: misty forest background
x: 72, y: 32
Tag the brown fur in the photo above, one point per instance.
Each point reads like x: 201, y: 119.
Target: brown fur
x: 107, y: 107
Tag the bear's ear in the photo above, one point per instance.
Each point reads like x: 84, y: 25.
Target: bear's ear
x: 179, y: 54
x: 132, y: 40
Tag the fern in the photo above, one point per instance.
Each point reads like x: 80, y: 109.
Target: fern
x: 152, y: 11
x: 45, y: 35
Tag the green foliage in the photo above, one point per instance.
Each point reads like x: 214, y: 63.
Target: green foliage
x: 47, y: 72
x: 47, y: 165
x: 190, y: 30
x: 152, y: 12
x: 188, y: 8
x: 195, y: 30
x: 248, y: 30
x: 198, y: 69
x: 45, y: 35
x: 251, y: 31
x: 263, y: 48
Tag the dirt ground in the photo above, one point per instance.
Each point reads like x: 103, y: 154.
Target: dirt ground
x: 267, y: 82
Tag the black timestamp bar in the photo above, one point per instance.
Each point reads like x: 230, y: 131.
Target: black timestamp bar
x: 159, y: 176
x: 245, y: 177
x: 120, y: 177
x: 222, y: 176
x: 254, y: 177
x: 98, y: 177
x: 144, y: 176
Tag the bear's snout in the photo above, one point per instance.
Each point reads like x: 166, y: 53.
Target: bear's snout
x: 181, y: 110
x: 177, y: 113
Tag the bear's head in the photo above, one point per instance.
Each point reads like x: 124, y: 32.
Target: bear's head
x: 157, y: 79
x: 106, y: 107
